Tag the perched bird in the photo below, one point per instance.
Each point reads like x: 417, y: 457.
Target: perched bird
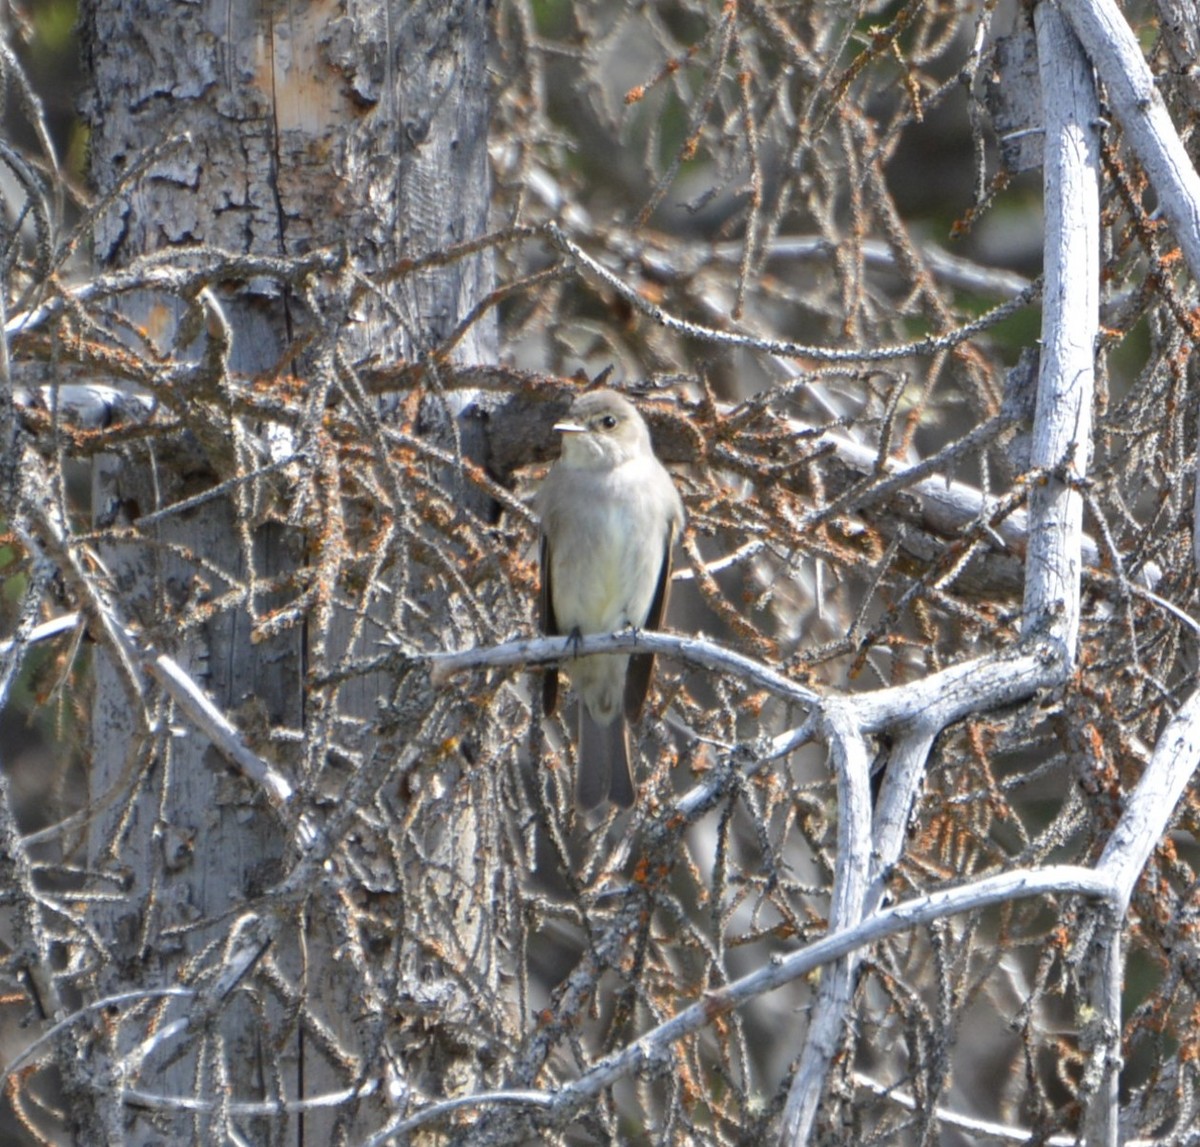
x: 610, y: 515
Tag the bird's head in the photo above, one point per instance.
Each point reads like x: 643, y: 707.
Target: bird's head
x: 602, y: 430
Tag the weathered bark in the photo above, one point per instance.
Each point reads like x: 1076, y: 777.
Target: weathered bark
x: 279, y: 130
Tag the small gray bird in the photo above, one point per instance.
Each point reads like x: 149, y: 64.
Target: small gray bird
x: 610, y: 515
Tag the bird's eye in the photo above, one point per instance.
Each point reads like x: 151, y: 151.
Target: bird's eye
x: 608, y: 421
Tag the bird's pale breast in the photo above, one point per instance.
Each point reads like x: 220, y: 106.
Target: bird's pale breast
x: 606, y: 559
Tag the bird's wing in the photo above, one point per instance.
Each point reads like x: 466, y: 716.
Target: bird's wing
x: 549, y: 626
x: 641, y: 665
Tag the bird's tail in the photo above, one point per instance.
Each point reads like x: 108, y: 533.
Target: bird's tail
x: 603, y: 762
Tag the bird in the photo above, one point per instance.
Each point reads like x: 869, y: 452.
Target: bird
x: 610, y: 515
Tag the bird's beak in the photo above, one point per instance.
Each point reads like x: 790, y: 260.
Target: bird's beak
x: 570, y: 428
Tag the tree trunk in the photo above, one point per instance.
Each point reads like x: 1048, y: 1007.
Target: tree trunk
x: 278, y: 131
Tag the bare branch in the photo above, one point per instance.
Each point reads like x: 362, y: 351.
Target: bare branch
x: 1138, y: 104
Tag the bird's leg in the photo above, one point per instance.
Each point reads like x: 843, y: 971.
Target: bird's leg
x: 574, y: 638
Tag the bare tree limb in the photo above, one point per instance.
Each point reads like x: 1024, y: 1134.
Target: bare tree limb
x: 1114, y: 51
x: 852, y: 763
x: 1062, y: 434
